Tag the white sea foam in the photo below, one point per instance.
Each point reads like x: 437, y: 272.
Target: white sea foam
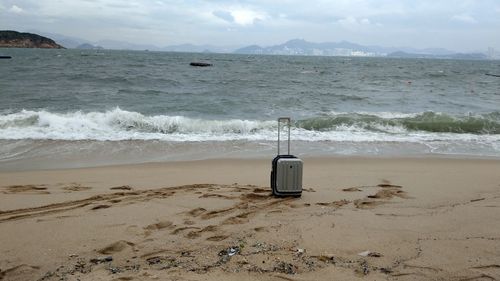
x: 381, y: 114
x: 118, y: 124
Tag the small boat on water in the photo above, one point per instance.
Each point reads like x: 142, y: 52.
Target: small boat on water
x: 5, y: 57
x: 201, y: 64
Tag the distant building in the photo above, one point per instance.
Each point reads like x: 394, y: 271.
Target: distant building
x: 492, y: 54
x: 362, y: 54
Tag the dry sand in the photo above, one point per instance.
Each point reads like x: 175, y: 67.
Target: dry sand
x: 367, y: 219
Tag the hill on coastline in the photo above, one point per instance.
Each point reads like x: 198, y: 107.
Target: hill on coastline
x: 14, y: 39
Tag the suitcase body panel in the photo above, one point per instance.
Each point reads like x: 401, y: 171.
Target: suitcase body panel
x: 289, y: 176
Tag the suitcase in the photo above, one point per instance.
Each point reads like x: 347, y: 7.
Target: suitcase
x: 286, y: 172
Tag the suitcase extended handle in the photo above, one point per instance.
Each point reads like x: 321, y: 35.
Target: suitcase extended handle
x: 288, y: 121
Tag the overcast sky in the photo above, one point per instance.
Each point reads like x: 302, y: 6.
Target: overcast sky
x: 460, y: 25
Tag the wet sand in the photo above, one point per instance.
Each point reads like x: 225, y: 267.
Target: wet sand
x: 358, y: 218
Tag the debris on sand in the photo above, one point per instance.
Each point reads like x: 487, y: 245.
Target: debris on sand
x: 101, y: 259
x: 370, y: 254
x: 226, y: 254
x: 284, y: 267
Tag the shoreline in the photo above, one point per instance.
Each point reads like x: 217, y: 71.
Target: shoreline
x: 255, y: 158
x: 27, y: 165
x: 56, y: 154
x: 358, y: 218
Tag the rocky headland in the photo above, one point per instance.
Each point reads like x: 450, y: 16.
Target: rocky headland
x: 14, y: 39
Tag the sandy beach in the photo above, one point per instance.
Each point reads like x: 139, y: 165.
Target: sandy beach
x: 358, y: 218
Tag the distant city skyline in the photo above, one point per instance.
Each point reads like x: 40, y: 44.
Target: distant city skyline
x: 460, y: 25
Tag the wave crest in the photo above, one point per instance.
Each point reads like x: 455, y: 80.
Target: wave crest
x: 118, y: 124
x: 397, y: 123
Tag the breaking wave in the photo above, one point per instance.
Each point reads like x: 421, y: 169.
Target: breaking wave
x: 118, y: 124
x: 396, y: 123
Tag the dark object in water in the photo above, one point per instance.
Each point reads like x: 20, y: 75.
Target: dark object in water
x: 494, y: 75
x: 202, y: 64
x: 5, y: 57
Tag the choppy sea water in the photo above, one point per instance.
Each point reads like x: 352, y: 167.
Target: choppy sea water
x: 73, y: 108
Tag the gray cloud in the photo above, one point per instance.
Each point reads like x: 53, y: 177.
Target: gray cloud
x: 225, y: 15
x: 462, y: 25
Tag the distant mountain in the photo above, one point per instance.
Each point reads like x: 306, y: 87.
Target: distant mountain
x: 121, y: 45
x: 344, y: 48
x: 69, y: 42
x: 87, y: 46
x: 305, y: 48
x: 14, y: 39
x: 190, y: 48
x: 72, y: 42
x: 252, y: 49
x: 291, y: 47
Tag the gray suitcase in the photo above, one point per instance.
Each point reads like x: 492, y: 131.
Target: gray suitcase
x: 286, y: 173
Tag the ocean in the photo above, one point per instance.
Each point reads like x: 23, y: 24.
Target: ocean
x: 79, y: 108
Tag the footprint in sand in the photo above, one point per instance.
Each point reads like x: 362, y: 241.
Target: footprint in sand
x: 196, y: 212
x: 197, y: 233
x: 210, y: 228
x: 115, y: 247
x: 336, y: 204
x: 296, y: 206
x: 29, y: 188
x: 216, y: 213
x: 123, y: 187
x: 389, y: 193
x: 98, y: 207
x: 193, y: 234
x: 124, y: 278
x: 351, y: 189
x: 217, y: 238
x: 180, y: 229
x: 134, y: 230
x: 367, y: 204
x: 389, y: 185
x: 159, y: 225
x: 260, y: 228
x: 239, y: 219
x: 76, y: 187
x: 255, y: 196
x: 261, y: 190
x: 17, y: 271
x: 215, y: 195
